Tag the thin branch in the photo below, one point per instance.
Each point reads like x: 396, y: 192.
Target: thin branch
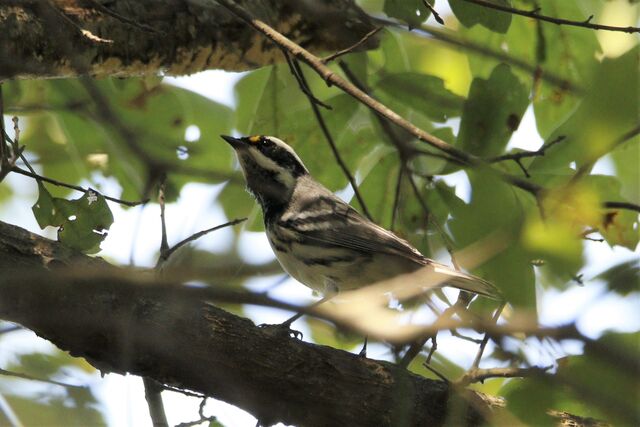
x: 436, y: 372
x: 622, y: 205
x: 144, y: 27
x: 517, y: 157
x: 164, y: 242
x: 302, y: 82
x: 36, y: 176
x: 435, y: 14
x: 199, y: 234
x: 297, y: 72
x: 353, y: 47
x: 44, y: 380
x: 396, y: 199
x: 485, y: 339
x: 479, y: 375
x: 558, y: 21
x: 152, y: 393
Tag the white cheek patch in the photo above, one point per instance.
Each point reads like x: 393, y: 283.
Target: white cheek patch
x: 284, y: 176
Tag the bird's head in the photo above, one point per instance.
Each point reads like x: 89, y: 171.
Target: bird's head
x: 271, y: 168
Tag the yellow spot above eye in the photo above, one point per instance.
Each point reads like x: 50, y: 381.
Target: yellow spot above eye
x: 255, y: 139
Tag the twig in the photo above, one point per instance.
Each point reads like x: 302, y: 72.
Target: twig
x: 199, y: 234
x: 44, y: 380
x: 352, y: 47
x: 479, y: 375
x: 455, y: 333
x: 9, y: 154
x: 302, y: 81
x: 517, y: 157
x: 621, y: 205
x: 436, y: 372
x: 558, y: 21
x: 435, y: 14
x: 203, y: 418
x: 396, y: 199
x: 152, y: 393
x: 164, y: 244
x: 485, y: 339
x: 124, y: 19
x: 21, y: 171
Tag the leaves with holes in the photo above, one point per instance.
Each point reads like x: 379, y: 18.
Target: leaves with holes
x: 83, y: 223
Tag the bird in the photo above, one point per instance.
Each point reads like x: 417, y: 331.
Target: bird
x: 319, y: 239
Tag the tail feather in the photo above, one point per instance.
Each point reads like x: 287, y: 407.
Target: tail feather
x: 467, y: 282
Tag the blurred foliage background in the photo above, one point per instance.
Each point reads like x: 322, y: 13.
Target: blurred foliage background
x: 472, y: 83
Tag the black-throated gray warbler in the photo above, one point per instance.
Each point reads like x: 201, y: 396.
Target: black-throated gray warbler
x: 319, y: 239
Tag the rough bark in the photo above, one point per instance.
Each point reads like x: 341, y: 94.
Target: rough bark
x: 64, y: 38
x: 121, y: 324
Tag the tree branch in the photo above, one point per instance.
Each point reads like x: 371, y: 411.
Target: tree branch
x: 195, y: 346
x: 178, y: 37
x: 479, y: 375
x: 558, y: 21
x: 120, y: 326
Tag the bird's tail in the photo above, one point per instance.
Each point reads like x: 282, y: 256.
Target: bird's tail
x: 467, y: 282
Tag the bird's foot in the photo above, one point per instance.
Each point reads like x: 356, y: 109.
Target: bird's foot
x: 281, y: 330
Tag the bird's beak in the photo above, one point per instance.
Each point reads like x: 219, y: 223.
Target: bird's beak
x: 236, y: 143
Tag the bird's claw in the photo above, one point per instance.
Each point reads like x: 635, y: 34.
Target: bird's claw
x: 281, y: 330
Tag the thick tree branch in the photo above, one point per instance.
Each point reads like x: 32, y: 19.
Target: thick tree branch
x: 196, y: 346
x: 120, y: 326
x: 63, y: 38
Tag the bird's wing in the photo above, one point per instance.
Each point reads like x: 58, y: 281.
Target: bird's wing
x: 336, y: 224
x: 344, y: 227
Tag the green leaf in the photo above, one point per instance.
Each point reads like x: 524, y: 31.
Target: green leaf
x: 569, y: 52
x: 623, y: 278
x: 492, y: 112
x: 530, y: 399
x: 424, y: 93
x: 87, y: 221
x: 83, y: 222
x: 44, y: 209
x: 625, y: 159
x: 611, y: 360
x: 471, y: 14
x: 606, y: 113
x: 378, y: 188
x: 413, y: 12
x: 497, y: 212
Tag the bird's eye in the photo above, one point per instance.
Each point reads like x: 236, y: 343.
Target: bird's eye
x: 266, y: 142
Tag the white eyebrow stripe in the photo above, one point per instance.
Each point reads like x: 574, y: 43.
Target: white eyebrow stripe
x: 284, y: 145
